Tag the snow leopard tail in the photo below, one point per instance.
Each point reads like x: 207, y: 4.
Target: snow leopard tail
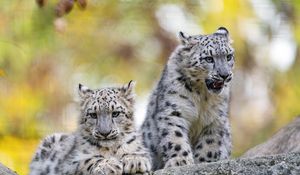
x: 50, y: 153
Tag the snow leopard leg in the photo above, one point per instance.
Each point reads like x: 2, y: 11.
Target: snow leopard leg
x: 98, y: 165
x: 174, y: 142
x: 214, y: 144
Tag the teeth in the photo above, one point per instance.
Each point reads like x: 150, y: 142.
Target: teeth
x: 217, y: 84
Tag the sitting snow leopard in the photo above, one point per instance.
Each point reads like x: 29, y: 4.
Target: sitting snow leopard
x: 105, y: 142
x: 187, y: 116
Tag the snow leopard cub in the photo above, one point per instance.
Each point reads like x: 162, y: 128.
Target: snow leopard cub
x: 105, y: 142
x: 187, y: 116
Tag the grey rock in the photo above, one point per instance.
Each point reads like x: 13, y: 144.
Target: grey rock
x: 281, y: 164
x: 6, y: 171
x: 286, y: 140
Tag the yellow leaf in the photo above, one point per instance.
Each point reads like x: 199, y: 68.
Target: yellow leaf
x: 2, y: 73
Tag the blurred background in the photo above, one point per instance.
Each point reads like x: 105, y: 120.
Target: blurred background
x: 48, y: 47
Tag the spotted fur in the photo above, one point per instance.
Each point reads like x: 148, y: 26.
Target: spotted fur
x: 105, y: 142
x: 187, y: 116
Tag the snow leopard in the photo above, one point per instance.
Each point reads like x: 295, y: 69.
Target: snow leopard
x: 105, y: 143
x: 187, y: 118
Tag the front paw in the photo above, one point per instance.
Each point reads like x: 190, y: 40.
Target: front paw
x: 136, y: 164
x: 178, y: 161
x: 108, y: 167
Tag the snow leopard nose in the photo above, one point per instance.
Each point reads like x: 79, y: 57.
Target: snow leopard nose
x: 103, y: 133
x: 104, y: 126
x: 224, y: 76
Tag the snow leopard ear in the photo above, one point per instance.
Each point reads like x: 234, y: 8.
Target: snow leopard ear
x: 187, y: 39
x: 128, y: 91
x: 222, y: 31
x: 84, y: 91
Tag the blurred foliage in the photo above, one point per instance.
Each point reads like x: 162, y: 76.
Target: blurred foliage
x: 17, y: 152
x: 47, y: 47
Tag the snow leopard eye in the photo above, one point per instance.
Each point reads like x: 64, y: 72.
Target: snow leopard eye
x: 115, y: 114
x: 209, y: 59
x: 229, y: 57
x: 93, y: 115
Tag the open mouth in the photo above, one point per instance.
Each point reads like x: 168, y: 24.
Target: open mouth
x: 214, y: 85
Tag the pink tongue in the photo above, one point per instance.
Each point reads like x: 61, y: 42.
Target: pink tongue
x: 218, y: 84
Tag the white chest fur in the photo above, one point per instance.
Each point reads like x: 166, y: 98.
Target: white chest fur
x: 206, y: 111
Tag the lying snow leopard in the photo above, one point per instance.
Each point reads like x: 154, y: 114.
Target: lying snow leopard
x: 105, y: 142
x: 187, y: 116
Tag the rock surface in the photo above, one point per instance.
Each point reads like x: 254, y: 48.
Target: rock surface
x: 286, y: 140
x: 281, y: 164
x: 6, y: 171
